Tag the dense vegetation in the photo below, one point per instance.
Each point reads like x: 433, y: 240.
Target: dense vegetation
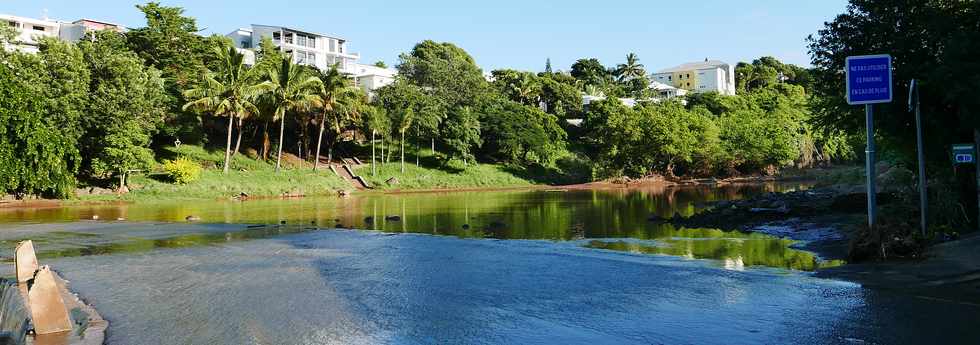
x: 936, y: 43
x: 115, y: 104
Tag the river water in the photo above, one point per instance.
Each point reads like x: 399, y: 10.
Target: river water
x: 517, y: 267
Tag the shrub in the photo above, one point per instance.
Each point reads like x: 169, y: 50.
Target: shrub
x: 182, y: 170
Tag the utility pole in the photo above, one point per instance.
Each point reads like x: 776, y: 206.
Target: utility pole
x: 923, y: 181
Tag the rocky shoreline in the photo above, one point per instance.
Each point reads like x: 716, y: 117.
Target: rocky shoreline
x: 823, y: 220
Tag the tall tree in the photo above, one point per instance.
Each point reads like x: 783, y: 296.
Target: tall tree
x: 229, y: 91
x: 445, y: 71
x: 631, y: 69
x: 933, y: 42
x: 591, y: 72
x: 290, y: 88
x: 170, y: 43
x: 38, y: 152
x: 331, y: 83
x: 341, y: 104
x: 547, y: 65
x: 126, y: 104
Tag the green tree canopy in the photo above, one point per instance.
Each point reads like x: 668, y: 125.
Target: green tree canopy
x: 126, y: 104
x: 935, y: 42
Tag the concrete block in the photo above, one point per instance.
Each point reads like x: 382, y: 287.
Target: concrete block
x: 26, y: 261
x: 48, y: 311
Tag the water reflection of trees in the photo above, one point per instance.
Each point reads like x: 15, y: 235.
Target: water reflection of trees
x: 576, y: 214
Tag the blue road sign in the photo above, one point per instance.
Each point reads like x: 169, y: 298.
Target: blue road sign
x: 869, y: 79
x: 963, y: 153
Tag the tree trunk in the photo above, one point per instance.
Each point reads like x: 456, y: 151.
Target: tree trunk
x: 266, y: 144
x: 238, y: 142
x: 402, y: 151
x: 433, y: 146
x: 231, y: 121
x: 282, y: 131
x: 319, y: 139
x: 374, y: 169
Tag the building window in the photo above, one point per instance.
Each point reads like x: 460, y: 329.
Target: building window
x: 289, y: 37
x: 246, y: 44
x: 276, y: 36
x: 305, y: 41
x: 688, y: 76
x: 12, y: 23
x: 670, y: 77
x: 305, y: 58
x: 38, y: 28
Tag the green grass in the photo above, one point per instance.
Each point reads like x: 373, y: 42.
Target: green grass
x: 252, y: 176
x: 454, y: 176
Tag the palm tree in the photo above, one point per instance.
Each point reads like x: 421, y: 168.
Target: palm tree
x: 291, y: 88
x: 527, y: 89
x: 631, y: 69
x: 594, y: 91
x: 405, y: 118
x: 332, y: 84
x: 227, y: 92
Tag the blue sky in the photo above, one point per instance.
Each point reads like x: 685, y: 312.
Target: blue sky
x: 510, y: 33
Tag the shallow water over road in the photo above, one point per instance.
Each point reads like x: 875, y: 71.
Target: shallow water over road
x: 519, y: 268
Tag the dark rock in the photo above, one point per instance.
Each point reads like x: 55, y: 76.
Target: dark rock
x: 496, y: 225
x: 192, y: 218
x: 466, y: 226
x: 369, y: 220
x: 393, y: 218
x: 283, y: 222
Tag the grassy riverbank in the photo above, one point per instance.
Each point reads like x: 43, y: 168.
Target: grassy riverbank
x: 255, y: 177
x: 449, y: 177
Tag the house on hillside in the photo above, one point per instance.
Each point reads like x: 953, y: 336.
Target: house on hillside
x: 699, y: 77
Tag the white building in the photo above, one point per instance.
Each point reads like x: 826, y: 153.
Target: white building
x: 664, y: 91
x: 31, y: 30
x: 371, y: 77
x: 698, y: 77
x: 304, y: 47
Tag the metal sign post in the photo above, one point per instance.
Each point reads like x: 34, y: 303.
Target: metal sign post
x: 869, y: 81
x: 923, y: 181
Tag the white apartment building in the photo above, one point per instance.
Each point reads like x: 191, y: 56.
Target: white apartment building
x: 31, y: 30
x: 305, y: 47
x: 699, y: 77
